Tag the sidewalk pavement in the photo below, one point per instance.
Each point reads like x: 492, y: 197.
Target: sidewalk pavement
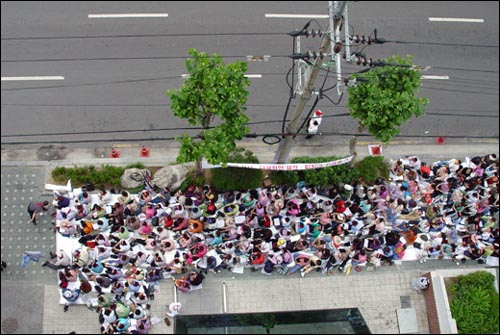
x: 427, y: 150
x: 29, y: 295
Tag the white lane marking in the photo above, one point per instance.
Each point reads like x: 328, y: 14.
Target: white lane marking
x: 298, y: 16
x: 454, y: 19
x: 33, y: 78
x: 436, y: 77
x: 186, y: 75
x: 126, y: 15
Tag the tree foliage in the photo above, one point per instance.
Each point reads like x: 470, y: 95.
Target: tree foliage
x: 214, y: 93
x: 474, y: 303
x: 386, y: 97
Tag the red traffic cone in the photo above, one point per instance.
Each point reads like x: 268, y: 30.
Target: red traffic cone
x: 440, y: 140
x: 114, y: 153
x: 144, y: 151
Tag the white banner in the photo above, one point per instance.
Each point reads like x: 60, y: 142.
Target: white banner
x: 280, y: 167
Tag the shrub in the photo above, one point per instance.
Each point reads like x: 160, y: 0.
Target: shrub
x: 236, y: 178
x: 105, y: 176
x: 371, y: 168
x: 111, y: 174
x: 137, y: 165
x: 59, y: 174
x: 192, y: 179
x: 368, y: 169
x: 474, y: 303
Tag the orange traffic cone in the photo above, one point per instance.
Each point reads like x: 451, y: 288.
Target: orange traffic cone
x: 440, y: 140
x: 144, y: 151
x: 115, y: 153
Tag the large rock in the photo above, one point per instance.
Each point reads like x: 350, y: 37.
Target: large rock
x: 172, y: 176
x: 127, y: 182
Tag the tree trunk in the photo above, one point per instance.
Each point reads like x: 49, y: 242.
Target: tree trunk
x: 207, y: 176
x: 198, y: 169
x: 352, y: 144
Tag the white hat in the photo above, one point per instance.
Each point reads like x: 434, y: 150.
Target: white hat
x: 68, y: 294
x: 348, y: 187
x: 264, y: 247
x: 285, y: 221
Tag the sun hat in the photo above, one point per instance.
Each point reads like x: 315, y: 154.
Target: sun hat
x: 168, y: 244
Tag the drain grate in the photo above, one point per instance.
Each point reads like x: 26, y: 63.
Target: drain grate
x: 9, y: 325
x: 405, y: 301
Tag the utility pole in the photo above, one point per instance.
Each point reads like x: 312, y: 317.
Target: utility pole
x: 281, y: 156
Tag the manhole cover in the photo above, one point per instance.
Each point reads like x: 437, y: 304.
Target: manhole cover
x: 9, y: 325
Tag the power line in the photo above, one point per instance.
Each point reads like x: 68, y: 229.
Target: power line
x: 248, y: 105
x: 458, y: 91
x: 179, y: 77
x: 250, y: 34
x: 463, y: 69
x: 113, y: 59
x: 166, y: 105
x: 139, y: 35
x: 185, y: 57
x: 254, y: 135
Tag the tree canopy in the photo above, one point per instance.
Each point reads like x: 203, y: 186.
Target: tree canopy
x: 385, y: 97
x: 214, y: 93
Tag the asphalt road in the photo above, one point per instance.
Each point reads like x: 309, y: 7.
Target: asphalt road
x: 116, y: 71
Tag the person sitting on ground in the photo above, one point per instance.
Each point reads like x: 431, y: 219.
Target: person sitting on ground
x: 131, y: 208
x: 359, y: 257
x: 85, y: 198
x: 132, y: 223
x: 195, y: 278
x: 62, y: 202
x: 301, y: 260
x: 144, y: 197
x: 124, y: 198
x: 105, y: 198
x: 387, y: 254
x: 116, y: 212
x: 67, y: 228
x: 80, y: 257
x: 314, y: 263
x: 96, y: 212
x: 81, y: 212
x: 59, y: 260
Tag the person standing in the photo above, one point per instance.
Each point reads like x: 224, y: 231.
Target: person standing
x: 314, y: 123
x: 36, y: 207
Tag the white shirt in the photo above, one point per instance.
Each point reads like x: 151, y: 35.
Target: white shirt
x: 314, y: 125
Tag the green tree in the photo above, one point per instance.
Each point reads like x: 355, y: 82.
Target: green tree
x: 384, y: 98
x: 213, y: 93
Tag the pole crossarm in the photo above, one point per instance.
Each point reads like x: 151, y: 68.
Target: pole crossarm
x: 284, y: 148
